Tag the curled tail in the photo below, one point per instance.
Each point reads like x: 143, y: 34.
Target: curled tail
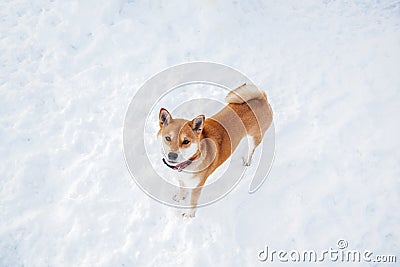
x: 245, y: 93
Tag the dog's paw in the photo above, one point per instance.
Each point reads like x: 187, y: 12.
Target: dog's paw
x: 178, y: 197
x: 245, y: 161
x: 188, y: 214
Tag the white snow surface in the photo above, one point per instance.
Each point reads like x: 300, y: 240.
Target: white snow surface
x: 68, y: 70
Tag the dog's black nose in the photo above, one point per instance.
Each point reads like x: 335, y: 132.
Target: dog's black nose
x: 172, y: 156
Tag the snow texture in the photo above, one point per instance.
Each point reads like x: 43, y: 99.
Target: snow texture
x: 68, y: 70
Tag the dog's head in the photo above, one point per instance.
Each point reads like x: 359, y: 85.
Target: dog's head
x: 180, y: 137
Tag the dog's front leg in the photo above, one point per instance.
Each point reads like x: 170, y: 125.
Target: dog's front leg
x: 181, y: 194
x: 193, y: 202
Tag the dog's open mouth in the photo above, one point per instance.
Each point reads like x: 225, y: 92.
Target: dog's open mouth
x: 171, y: 161
x: 179, y: 166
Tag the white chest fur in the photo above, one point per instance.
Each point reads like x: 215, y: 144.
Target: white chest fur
x: 187, y: 178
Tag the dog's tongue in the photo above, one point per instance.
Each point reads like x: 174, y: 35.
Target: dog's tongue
x: 182, y: 165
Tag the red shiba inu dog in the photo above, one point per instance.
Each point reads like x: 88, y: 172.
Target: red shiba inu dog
x: 196, y: 148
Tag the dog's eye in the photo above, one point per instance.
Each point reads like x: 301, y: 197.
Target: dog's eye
x: 185, y: 142
x: 168, y: 138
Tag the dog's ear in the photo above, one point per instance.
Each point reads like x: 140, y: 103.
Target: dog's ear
x: 164, y: 118
x: 197, y: 123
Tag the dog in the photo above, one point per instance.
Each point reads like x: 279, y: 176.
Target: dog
x: 196, y: 148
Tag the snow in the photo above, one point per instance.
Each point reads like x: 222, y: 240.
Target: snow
x: 69, y: 69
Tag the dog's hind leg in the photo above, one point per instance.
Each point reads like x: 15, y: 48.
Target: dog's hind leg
x: 253, y: 142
